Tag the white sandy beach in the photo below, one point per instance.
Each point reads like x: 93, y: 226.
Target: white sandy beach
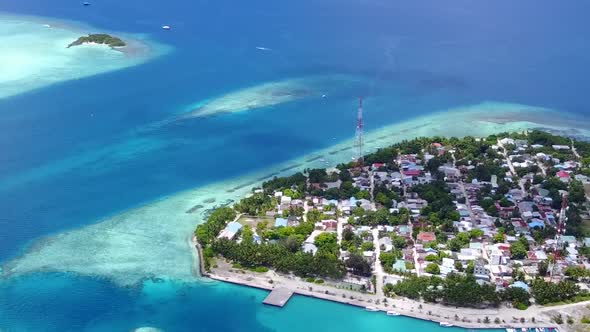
x: 34, y: 53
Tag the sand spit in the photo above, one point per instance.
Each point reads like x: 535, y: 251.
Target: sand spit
x: 34, y: 53
x: 152, y: 240
x: 273, y: 93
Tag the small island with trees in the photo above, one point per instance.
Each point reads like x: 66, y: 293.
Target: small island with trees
x: 99, y: 38
x: 423, y: 228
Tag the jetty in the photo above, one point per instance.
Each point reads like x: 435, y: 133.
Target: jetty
x: 278, y: 297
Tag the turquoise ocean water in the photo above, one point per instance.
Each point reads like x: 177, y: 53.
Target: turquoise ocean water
x: 412, y: 58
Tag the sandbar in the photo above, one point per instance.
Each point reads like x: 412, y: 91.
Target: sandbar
x: 152, y: 241
x: 34, y: 53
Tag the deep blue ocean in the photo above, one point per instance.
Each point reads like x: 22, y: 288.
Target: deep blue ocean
x: 417, y: 56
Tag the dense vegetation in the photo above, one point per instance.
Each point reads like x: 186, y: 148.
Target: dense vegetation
x: 440, y: 210
x: 281, y: 257
x: 548, y: 292
x: 256, y: 205
x: 99, y: 38
x: 458, y: 290
x: 207, y: 231
x: 296, y: 180
x: 281, y: 247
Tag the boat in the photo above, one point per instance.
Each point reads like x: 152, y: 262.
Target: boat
x: 371, y: 309
x: 86, y: 3
x: 510, y: 330
x: 445, y: 324
x: 166, y: 27
x: 393, y: 313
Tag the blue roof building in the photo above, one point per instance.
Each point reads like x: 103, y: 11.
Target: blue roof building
x: 234, y: 226
x: 536, y: 223
x: 569, y: 239
x: 257, y: 239
x: 310, y: 248
x: 520, y: 284
x: 281, y: 222
x: 230, y: 230
x: 399, y: 265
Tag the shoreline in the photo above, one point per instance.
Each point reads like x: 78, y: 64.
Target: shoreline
x: 197, y: 251
x: 135, y: 42
x: 118, y: 246
x: 38, y: 44
x: 405, y: 307
x: 434, y: 312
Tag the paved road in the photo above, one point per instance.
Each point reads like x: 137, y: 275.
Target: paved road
x: 542, y: 167
x: 462, y: 187
x: 574, y: 150
x: 339, y: 229
x: 417, y: 264
x: 378, y: 268
x: 512, y: 170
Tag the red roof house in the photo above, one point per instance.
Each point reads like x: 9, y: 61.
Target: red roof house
x: 426, y: 237
x: 412, y: 172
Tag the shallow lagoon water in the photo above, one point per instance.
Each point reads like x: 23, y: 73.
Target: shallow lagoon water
x: 34, y: 53
x: 95, y: 305
x: 105, y: 192
x: 152, y: 240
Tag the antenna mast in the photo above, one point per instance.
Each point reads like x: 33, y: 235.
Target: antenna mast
x: 359, y: 139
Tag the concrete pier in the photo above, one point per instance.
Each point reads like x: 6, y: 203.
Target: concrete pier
x: 278, y: 297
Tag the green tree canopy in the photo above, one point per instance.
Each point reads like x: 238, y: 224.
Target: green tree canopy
x: 518, y: 250
x: 327, y: 241
x: 358, y: 265
x: 432, y: 268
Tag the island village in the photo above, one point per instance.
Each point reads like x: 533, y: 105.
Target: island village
x: 471, y: 232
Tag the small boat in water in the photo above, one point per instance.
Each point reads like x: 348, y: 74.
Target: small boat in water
x: 86, y: 3
x: 393, y: 313
x: 371, y: 309
x: 166, y: 27
x: 445, y: 324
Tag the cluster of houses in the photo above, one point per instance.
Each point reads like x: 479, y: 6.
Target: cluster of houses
x: 489, y: 258
x: 529, y: 211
